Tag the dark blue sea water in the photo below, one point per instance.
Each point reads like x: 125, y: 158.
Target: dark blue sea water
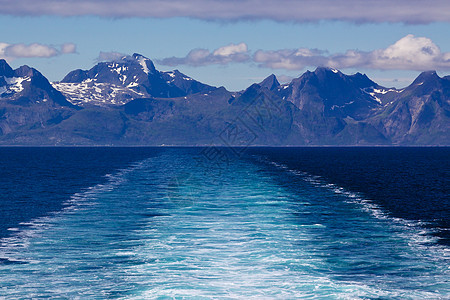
x: 214, y: 223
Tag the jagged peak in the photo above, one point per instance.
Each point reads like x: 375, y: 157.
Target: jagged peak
x: 119, y: 65
x: 325, y: 73
x: 146, y: 64
x: 358, y: 74
x: 426, y: 76
x: 25, y: 70
x: 271, y: 82
x: 326, y: 69
x: 75, y: 76
x: 363, y: 80
x: 5, y: 69
x: 251, y: 91
x: 320, y: 73
x: 137, y: 56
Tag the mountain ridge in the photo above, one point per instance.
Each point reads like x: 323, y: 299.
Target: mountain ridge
x: 129, y: 102
x: 119, y: 81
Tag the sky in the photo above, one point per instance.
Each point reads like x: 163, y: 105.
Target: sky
x: 232, y: 43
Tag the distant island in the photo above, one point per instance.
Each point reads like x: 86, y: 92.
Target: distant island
x: 128, y: 102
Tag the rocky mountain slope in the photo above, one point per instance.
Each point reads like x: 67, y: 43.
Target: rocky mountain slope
x: 420, y: 114
x: 129, y: 102
x: 29, y: 102
x: 118, y: 82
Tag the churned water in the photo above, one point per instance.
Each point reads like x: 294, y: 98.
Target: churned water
x: 175, y: 225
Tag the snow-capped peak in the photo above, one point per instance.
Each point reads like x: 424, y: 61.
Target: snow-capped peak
x: 144, y: 62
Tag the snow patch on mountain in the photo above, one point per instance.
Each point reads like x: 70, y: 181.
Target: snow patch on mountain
x: 376, y: 93
x: 143, y: 62
x: 119, y: 69
x: 376, y: 98
x: 13, y: 85
x: 342, y: 106
x: 100, y: 94
x: 175, y: 74
x: 132, y: 84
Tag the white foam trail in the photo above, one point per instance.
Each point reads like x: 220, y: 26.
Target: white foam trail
x: 11, y: 246
x: 250, y: 238
x: 419, y: 237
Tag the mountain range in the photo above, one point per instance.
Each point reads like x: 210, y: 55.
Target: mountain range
x: 129, y: 102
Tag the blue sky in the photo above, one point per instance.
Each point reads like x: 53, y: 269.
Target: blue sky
x: 228, y: 45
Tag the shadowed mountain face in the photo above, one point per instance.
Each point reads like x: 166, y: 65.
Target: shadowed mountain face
x: 330, y: 93
x: 5, y: 70
x: 420, y: 114
x: 271, y: 83
x: 129, y: 102
x: 26, y: 86
x: 28, y: 102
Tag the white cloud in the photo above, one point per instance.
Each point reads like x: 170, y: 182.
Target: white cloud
x: 231, y: 53
x: 2, y: 50
x: 408, y: 53
x: 359, y: 11
x: 110, y: 56
x: 14, y: 51
x: 32, y: 50
x: 231, y: 50
x: 68, y: 48
x: 289, y: 59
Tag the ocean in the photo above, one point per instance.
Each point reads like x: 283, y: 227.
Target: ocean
x: 225, y: 223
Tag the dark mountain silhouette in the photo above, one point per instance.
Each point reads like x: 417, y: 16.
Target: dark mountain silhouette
x: 129, y: 102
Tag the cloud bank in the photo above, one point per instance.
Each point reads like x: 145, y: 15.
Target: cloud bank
x: 359, y: 11
x: 408, y: 53
x: 14, y: 51
x: 232, y: 53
